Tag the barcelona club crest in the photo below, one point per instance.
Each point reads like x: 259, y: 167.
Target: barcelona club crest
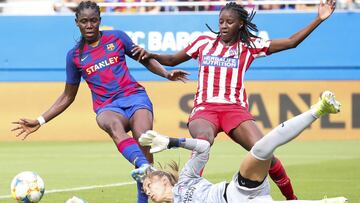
x: 110, y: 47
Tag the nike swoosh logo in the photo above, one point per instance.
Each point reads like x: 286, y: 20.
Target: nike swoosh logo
x: 83, y: 59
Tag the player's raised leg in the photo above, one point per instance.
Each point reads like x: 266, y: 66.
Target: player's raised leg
x: 256, y: 164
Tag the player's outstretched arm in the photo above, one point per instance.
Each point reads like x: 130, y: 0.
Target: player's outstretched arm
x: 171, y: 60
x: 324, y: 11
x: 167, y: 60
x: 145, y: 58
x: 155, y: 67
x: 24, y: 127
x: 159, y: 142
x: 199, y: 158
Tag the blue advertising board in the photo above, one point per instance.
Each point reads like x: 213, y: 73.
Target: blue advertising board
x: 33, y: 48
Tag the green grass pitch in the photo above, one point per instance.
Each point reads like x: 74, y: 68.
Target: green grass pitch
x: 95, y: 171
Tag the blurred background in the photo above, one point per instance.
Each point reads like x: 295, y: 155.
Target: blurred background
x: 36, y: 35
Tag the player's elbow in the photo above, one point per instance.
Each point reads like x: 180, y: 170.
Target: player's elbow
x: 293, y: 43
x: 67, y: 99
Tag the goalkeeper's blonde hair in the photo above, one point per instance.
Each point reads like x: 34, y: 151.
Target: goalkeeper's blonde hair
x: 170, y: 170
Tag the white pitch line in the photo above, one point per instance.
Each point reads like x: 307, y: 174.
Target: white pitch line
x: 79, y: 188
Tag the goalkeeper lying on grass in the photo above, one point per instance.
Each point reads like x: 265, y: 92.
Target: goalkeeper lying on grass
x: 249, y: 184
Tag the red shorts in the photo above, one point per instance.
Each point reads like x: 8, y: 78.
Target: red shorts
x: 224, y: 116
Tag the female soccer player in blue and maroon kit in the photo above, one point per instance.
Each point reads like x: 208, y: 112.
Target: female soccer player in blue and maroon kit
x: 120, y: 102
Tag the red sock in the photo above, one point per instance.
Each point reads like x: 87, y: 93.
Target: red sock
x: 278, y: 175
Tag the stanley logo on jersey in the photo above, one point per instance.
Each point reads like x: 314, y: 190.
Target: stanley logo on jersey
x: 102, y: 64
x: 110, y: 47
x: 218, y: 61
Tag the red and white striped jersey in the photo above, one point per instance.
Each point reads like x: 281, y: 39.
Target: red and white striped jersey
x: 222, y: 68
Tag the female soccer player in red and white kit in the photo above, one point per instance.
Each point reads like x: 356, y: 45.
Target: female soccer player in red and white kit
x: 121, y: 104
x: 221, y: 102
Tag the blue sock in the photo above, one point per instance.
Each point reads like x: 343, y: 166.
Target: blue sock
x: 141, y: 196
x: 130, y: 149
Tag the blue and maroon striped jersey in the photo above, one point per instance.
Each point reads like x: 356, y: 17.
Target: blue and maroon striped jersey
x: 103, y: 68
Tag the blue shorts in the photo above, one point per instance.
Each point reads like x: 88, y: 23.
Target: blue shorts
x: 127, y: 106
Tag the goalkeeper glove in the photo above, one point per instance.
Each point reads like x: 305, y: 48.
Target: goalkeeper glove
x: 153, y: 139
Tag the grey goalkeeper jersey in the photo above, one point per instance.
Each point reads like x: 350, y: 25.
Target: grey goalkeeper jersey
x: 191, y: 187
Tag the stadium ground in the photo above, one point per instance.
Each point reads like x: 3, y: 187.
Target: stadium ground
x: 97, y: 173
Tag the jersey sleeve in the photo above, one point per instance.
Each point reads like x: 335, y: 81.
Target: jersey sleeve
x: 199, y: 158
x: 73, y: 75
x: 192, y: 49
x: 259, y: 47
x: 126, y: 40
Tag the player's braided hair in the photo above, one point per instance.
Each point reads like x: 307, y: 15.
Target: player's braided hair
x: 85, y: 5
x: 171, y: 171
x: 245, y: 31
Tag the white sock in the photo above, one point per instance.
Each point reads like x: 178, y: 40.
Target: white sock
x: 282, y: 134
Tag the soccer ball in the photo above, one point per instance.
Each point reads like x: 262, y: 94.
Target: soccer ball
x: 27, y: 187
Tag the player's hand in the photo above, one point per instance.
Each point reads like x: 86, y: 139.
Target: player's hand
x: 326, y: 8
x: 153, y: 139
x: 25, y: 127
x: 140, y: 53
x: 178, y: 75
